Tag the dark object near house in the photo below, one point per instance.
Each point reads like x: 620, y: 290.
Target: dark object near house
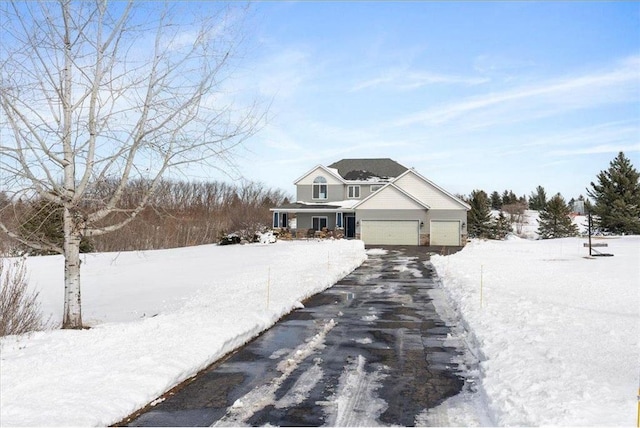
x: 592, y: 251
x: 229, y: 240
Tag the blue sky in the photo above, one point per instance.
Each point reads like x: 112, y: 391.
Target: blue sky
x: 474, y: 95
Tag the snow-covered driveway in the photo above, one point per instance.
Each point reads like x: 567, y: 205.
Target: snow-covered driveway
x: 370, y: 351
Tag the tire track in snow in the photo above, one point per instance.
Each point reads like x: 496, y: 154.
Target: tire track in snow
x: 264, y: 395
x: 355, y: 403
x: 303, y: 385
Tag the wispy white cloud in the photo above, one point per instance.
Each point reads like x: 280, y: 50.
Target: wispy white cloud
x: 617, y: 132
x: 330, y: 143
x: 617, y: 84
x: 408, y: 80
x: 604, y: 148
x: 504, y: 67
x: 284, y: 73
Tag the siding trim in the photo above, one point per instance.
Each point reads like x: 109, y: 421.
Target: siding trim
x: 325, y: 169
x: 381, y: 191
x: 426, y: 180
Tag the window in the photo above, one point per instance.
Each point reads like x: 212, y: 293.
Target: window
x: 353, y: 191
x: 320, y: 188
x: 280, y: 220
x: 338, y: 219
x: 319, y: 222
x: 375, y: 187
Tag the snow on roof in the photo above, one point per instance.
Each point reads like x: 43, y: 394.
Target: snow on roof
x: 384, y: 169
x: 350, y: 203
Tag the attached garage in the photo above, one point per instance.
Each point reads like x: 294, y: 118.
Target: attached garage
x: 390, y: 232
x: 445, y: 233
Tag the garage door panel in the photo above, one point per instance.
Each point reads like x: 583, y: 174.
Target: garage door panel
x: 446, y: 233
x: 390, y: 232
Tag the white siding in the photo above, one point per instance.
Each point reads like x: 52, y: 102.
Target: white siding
x: 308, y: 179
x: 426, y: 192
x: 389, y: 198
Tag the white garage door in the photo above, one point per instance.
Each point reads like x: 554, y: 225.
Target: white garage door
x: 390, y: 232
x: 445, y: 232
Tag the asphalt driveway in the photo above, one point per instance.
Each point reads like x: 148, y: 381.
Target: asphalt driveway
x: 371, y: 350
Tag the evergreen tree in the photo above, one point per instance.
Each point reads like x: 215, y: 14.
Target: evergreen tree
x: 496, y: 200
x: 617, y: 197
x: 538, y: 199
x: 479, y: 217
x: 555, y: 221
x: 501, y: 227
x: 42, y: 223
x: 508, y: 197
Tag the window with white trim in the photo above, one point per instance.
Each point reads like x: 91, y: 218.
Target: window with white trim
x: 375, y: 187
x: 319, y: 188
x: 353, y: 191
x: 339, y: 219
x: 280, y: 219
x: 319, y: 223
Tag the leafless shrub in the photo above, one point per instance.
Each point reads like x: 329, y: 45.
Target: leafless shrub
x: 19, y: 308
x: 516, y: 215
x: 178, y: 214
x: 192, y: 213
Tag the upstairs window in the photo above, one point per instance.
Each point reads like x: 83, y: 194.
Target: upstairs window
x: 353, y: 192
x: 375, y: 187
x: 320, y: 188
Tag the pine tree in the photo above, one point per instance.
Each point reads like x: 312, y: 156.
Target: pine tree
x: 42, y: 223
x: 508, y: 197
x: 501, y: 227
x: 496, y: 200
x: 617, y: 197
x: 538, y: 199
x: 555, y: 221
x: 479, y: 217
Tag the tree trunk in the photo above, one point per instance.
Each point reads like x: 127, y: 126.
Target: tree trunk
x: 72, y: 303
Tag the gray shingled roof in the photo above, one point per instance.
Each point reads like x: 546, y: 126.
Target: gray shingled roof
x: 365, y: 169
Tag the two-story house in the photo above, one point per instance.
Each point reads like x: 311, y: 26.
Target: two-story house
x: 378, y: 201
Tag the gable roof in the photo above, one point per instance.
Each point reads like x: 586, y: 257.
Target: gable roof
x: 331, y: 171
x: 451, y: 197
x: 391, y: 187
x: 368, y: 169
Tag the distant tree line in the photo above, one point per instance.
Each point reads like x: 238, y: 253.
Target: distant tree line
x: 616, y: 207
x: 179, y: 214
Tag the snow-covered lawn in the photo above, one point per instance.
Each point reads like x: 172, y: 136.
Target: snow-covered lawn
x: 158, y: 318
x: 557, y: 333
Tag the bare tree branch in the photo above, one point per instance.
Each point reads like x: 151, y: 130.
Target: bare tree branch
x: 99, y: 91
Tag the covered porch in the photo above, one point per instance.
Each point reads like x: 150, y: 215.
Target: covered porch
x: 305, y: 220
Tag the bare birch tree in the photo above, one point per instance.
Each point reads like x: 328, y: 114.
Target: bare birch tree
x: 92, y: 91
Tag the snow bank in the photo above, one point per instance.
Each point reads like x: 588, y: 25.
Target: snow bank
x: 557, y: 333
x: 158, y: 318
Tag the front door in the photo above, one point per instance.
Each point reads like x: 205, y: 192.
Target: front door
x: 350, y: 226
